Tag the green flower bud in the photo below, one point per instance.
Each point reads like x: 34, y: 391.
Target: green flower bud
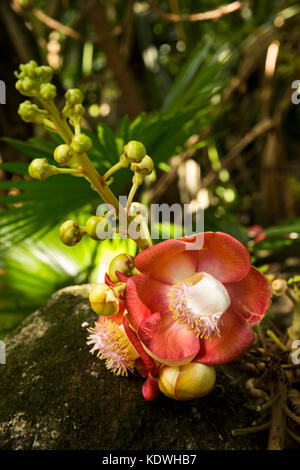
x: 48, y: 91
x: 44, y: 73
x: 145, y: 167
x: 103, y: 300
x: 98, y: 228
x: 28, y: 69
x: 122, y: 263
x: 29, y: 112
x: 27, y: 86
x: 74, y: 96
x: 70, y: 233
x: 39, y: 169
x: 63, y: 154
x: 81, y: 143
x: 134, y: 151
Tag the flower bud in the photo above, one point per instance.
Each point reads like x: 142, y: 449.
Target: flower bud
x: 103, y: 300
x: 63, y: 154
x: 26, y: 86
x: 122, y: 263
x: 98, y: 228
x: 74, y: 96
x: 48, y: 91
x: 28, y: 69
x: 81, y: 143
x: 39, y: 169
x: 134, y: 151
x: 44, y: 73
x: 279, y: 287
x: 145, y: 167
x: 29, y: 112
x: 70, y: 233
x: 193, y: 380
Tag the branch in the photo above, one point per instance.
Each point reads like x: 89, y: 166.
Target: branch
x: 207, y: 15
x: 54, y: 24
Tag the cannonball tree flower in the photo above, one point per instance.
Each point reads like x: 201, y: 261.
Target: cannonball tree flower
x: 196, y: 304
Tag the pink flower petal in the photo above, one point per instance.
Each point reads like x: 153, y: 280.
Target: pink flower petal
x: 168, y: 261
x: 136, y: 309
x: 236, y: 336
x: 153, y: 294
x: 166, y: 340
x: 251, y: 296
x: 223, y: 257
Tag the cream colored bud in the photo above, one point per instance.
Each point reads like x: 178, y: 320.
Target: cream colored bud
x: 193, y: 380
x: 122, y: 263
x: 279, y: 287
x: 103, y: 300
x: 145, y: 167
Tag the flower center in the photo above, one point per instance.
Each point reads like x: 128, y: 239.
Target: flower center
x: 199, y: 302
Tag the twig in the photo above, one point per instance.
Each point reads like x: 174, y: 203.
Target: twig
x: 291, y: 415
x: 278, y: 419
x: 54, y: 24
x: 204, y: 16
x: 252, y: 430
x: 276, y: 340
x: 293, y: 435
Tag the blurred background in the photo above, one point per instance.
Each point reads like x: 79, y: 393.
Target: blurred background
x: 206, y: 85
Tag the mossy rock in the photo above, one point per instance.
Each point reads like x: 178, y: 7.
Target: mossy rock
x: 55, y: 395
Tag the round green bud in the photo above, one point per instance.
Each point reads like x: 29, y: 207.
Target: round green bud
x: 63, y: 154
x: 134, y: 151
x: 122, y: 263
x: 39, y: 169
x: 29, y: 69
x: 74, y: 96
x: 103, y: 300
x: 145, y: 167
x: 91, y: 226
x: 44, y: 73
x: 48, y: 91
x: 81, y: 143
x: 98, y: 228
x: 29, y: 112
x: 69, y: 233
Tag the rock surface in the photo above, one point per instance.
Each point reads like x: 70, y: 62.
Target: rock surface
x: 55, y: 395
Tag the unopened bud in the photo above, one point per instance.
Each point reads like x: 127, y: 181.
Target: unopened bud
x: 193, y: 380
x: 81, y: 143
x: 134, y: 151
x: 48, y: 91
x: 39, y: 169
x: 74, y: 96
x: 279, y: 287
x: 29, y: 112
x: 98, y: 228
x: 63, y: 154
x: 70, y: 233
x: 145, y: 167
x: 44, y: 73
x: 122, y: 263
x: 103, y: 300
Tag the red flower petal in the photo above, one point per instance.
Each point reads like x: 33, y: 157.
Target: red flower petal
x: 136, y: 309
x: 223, y: 257
x: 251, y: 296
x: 168, y: 261
x: 153, y: 294
x: 166, y: 340
x: 236, y: 336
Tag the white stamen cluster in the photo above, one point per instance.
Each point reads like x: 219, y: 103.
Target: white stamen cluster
x: 111, y: 344
x: 204, y: 325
